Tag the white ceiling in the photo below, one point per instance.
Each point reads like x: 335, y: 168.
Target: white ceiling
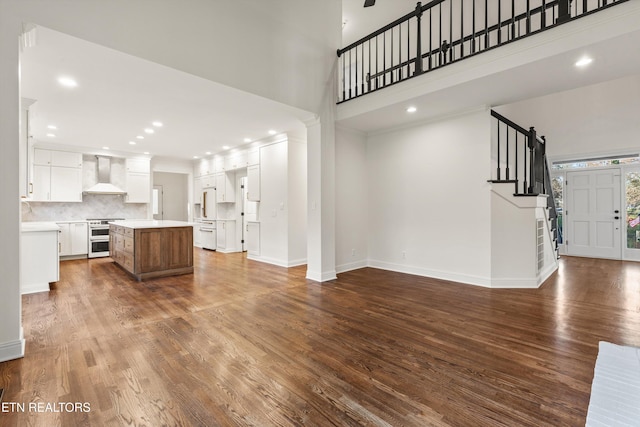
x: 119, y: 95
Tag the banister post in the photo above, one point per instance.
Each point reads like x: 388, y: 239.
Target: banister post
x: 564, y: 11
x: 418, y: 69
x: 532, y: 143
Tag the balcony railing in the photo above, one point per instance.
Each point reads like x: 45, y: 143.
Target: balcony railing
x: 445, y: 31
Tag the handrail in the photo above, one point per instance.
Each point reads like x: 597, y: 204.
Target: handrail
x: 442, y: 32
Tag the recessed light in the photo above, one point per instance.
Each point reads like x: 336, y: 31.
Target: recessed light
x: 149, y: 130
x: 411, y: 109
x: 67, y: 82
x: 132, y: 143
x: 157, y: 124
x: 54, y: 127
x: 51, y: 135
x: 207, y: 153
x: 584, y: 61
x: 247, y: 140
x: 225, y: 147
x: 146, y: 152
x: 140, y: 137
x: 272, y: 132
x: 105, y: 148
x: 195, y: 157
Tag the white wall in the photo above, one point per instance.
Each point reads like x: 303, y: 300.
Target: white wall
x: 351, y: 200
x: 429, y: 200
x: 174, y: 194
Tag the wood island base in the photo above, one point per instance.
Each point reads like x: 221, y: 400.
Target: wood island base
x: 151, y: 249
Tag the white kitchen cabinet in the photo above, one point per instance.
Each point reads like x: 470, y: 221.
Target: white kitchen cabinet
x: 218, y: 163
x: 66, y: 184
x: 253, y: 156
x: 39, y: 261
x: 197, y: 190
x: 138, y: 188
x: 138, y: 165
x: 236, y: 160
x: 208, y: 181
x: 197, y: 236
x: 252, y: 238
x: 57, y: 176
x: 205, y: 166
x: 73, y: 238
x: 138, y: 180
x: 253, y: 183
x: 225, y: 190
x: 226, y: 236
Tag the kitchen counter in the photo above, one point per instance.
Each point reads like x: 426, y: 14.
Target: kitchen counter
x: 151, y: 223
x: 35, y: 226
x: 150, y: 248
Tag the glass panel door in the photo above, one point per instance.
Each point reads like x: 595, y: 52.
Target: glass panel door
x: 632, y: 213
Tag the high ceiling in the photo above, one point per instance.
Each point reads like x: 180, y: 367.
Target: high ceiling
x: 119, y: 95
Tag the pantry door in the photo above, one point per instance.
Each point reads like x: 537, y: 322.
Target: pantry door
x: 593, y: 213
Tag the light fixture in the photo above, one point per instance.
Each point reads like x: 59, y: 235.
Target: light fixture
x: 247, y: 140
x: 67, y: 82
x: 149, y: 130
x: 208, y: 153
x: 584, y: 61
x: 146, y: 152
x: 132, y: 143
x: 157, y: 124
x: 412, y: 109
x: 54, y: 127
x: 225, y: 147
x: 105, y: 148
x: 140, y: 137
x: 195, y: 157
x: 51, y: 135
x: 272, y: 132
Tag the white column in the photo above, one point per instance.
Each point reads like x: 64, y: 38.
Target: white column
x: 11, y: 336
x: 321, y: 216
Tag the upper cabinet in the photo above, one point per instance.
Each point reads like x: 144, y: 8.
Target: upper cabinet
x: 225, y: 191
x: 205, y: 167
x: 138, y: 180
x: 57, y: 176
x: 236, y: 160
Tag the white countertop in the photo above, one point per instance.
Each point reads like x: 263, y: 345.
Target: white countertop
x: 151, y: 223
x: 33, y: 226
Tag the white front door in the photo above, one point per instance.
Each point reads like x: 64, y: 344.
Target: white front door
x: 593, y: 213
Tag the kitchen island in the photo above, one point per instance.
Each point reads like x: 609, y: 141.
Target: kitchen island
x: 150, y: 248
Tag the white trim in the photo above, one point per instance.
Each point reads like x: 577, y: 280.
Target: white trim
x: 436, y: 274
x: 324, y: 276
x: 34, y: 288
x: 12, y: 350
x: 278, y: 262
x: 343, y: 268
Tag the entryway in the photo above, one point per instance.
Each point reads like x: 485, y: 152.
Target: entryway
x: 599, y: 208
x: 592, y: 214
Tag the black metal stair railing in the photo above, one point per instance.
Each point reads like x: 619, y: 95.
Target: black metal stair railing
x: 445, y: 31
x: 519, y: 156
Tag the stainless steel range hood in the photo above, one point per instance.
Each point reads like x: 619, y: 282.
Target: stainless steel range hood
x: 104, y: 186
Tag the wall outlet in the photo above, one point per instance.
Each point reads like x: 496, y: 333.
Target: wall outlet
x: 353, y: 252
x: 404, y: 255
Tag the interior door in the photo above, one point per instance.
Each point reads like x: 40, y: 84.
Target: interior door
x: 158, y: 202
x: 592, y: 213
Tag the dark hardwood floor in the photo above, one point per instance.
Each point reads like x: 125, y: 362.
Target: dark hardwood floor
x: 245, y: 343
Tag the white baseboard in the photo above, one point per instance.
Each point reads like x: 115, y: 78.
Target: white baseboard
x: 34, y: 288
x: 343, y: 268
x: 278, y: 262
x: 12, y: 350
x: 436, y: 274
x: 321, y: 276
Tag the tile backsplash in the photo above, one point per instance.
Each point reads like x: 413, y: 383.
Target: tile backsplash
x: 92, y: 206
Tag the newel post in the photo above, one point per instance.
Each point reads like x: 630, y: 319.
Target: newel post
x: 532, y: 143
x: 564, y: 11
x: 418, y: 69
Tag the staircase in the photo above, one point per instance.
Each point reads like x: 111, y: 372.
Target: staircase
x: 520, y: 159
